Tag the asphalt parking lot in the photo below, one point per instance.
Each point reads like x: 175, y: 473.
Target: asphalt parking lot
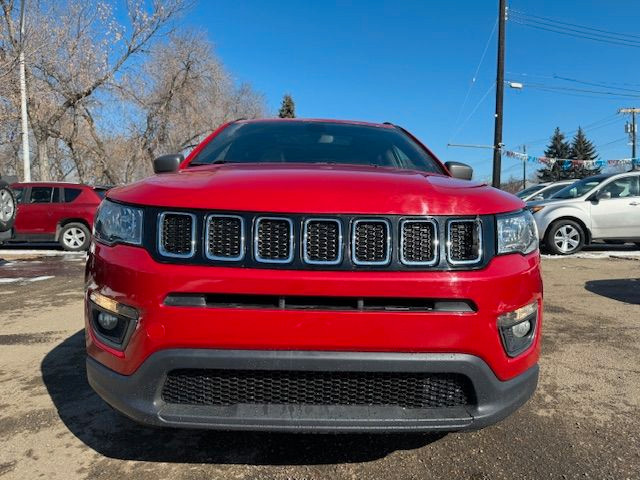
x: 582, y: 422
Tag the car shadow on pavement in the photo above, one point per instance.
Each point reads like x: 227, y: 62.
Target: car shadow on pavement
x: 112, y: 435
x: 625, y: 290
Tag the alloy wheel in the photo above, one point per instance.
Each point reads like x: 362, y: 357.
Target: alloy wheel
x: 566, y: 238
x: 7, y: 206
x: 74, y: 238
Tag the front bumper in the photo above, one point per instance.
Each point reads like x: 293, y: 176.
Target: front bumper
x: 139, y: 396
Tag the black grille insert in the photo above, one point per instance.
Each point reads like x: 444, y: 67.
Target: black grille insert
x: 266, y: 387
x: 273, y: 240
x: 323, y: 241
x: 225, y: 237
x: 418, y: 242
x: 371, y: 242
x: 176, y: 234
x: 464, y: 243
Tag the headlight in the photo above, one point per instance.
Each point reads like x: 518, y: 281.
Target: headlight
x: 117, y: 223
x: 517, y: 233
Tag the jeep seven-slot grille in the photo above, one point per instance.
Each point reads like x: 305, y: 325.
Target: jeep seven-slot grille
x: 266, y: 387
x: 225, y: 237
x: 370, y: 242
x: 418, y: 242
x: 307, y: 242
x: 273, y: 240
x: 464, y: 241
x: 322, y: 241
x: 176, y: 234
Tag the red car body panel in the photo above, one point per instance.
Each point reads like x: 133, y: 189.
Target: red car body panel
x: 319, y: 189
x: 45, y: 218
x: 130, y: 275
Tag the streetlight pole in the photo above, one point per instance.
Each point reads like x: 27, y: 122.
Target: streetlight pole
x: 497, y: 133
x: 26, y: 160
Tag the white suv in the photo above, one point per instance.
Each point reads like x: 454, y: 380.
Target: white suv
x: 602, y: 207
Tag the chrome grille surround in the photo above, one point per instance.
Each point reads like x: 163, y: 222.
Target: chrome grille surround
x: 208, y: 222
x: 435, y: 243
x: 354, y: 241
x: 305, y: 242
x: 257, y: 240
x: 451, y: 255
x: 161, y: 235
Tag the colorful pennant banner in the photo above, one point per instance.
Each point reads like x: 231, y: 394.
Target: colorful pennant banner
x: 567, y: 162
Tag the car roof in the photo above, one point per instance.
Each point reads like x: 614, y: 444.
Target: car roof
x: 51, y: 184
x: 316, y: 120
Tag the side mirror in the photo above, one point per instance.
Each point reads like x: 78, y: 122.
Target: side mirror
x: 603, y: 195
x: 167, y: 163
x: 459, y: 170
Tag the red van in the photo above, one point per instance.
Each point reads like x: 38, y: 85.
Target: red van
x: 56, y: 212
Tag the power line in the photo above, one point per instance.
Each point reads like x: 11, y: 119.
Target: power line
x: 473, y: 111
x: 585, y: 27
x: 573, y: 33
x: 581, y: 90
x: 603, y: 122
x: 475, y: 75
x: 595, y: 84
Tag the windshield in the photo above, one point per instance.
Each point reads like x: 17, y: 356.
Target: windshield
x: 580, y: 188
x: 316, y: 142
x: 528, y: 191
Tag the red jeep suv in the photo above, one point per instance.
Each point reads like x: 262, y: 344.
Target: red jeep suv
x: 56, y: 212
x: 313, y: 275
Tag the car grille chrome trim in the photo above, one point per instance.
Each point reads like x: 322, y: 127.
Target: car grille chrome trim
x: 240, y: 240
x: 433, y: 240
x: 454, y: 244
x: 307, y: 257
x: 355, y: 247
x: 257, y: 240
x: 162, y: 235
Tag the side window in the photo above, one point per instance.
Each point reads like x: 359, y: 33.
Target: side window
x: 70, y: 194
x: 19, y: 193
x: 41, y: 194
x: 622, y: 187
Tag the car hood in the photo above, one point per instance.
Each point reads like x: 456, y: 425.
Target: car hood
x: 317, y: 189
x: 554, y: 201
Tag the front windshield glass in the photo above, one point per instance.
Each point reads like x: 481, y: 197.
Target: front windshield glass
x: 580, y: 188
x: 528, y: 191
x: 316, y: 142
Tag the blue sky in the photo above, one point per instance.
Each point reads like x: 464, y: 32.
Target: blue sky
x: 412, y: 62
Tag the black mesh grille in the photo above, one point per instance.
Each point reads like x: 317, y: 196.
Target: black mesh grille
x: 231, y: 387
x: 176, y: 232
x: 274, y: 239
x: 225, y: 237
x: 418, y: 242
x: 323, y: 241
x: 370, y: 242
x: 464, y: 241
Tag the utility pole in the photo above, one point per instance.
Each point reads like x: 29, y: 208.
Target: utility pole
x: 497, y: 132
x: 632, y: 130
x: 26, y: 161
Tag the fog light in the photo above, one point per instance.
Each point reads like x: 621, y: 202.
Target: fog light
x: 517, y: 328
x: 520, y: 330
x: 107, y: 321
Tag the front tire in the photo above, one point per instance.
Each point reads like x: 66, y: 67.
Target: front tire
x: 75, y: 237
x: 7, y: 207
x: 565, y: 237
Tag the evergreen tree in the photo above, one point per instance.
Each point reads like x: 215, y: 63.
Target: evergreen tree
x: 288, y: 107
x: 583, y: 149
x: 558, y: 148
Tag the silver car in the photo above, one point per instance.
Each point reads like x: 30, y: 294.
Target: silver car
x: 542, y: 191
x: 602, y: 207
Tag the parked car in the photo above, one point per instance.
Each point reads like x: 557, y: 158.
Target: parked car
x: 7, y: 210
x: 601, y: 207
x: 56, y: 212
x: 542, y: 191
x: 313, y: 275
